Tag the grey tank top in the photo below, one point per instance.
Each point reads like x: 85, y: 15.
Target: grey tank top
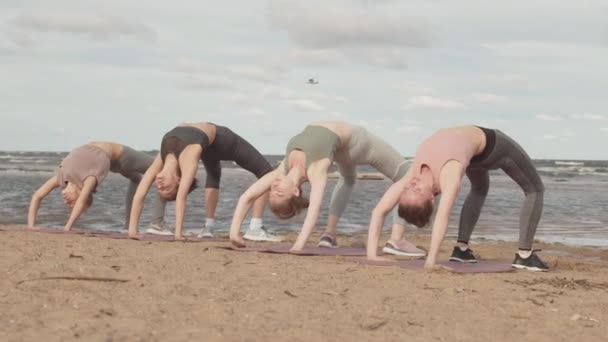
x: 316, y: 142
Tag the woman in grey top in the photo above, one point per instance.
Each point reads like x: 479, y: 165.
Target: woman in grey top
x: 84, y: 168
x: 308, y: 158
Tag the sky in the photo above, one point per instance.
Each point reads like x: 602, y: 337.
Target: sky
x: 127, y: 71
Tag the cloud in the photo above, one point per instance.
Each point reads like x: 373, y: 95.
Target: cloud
x: 227, y: 72
x: 205, y: 83
x: 346, y: 31
x: 304, y: 105
x: 509, y: 81
x: 604, y: 129
x: 98, y: 27
x: 412, y: 87
x: 548, y: 117
x: 430, y: 102
x: 488, y: 98
x: 317, y: 24
x: 541, y: 49
x: 590, y: 117
x: 559, y: 136
x: 547, y: 137
x: 408, y: 129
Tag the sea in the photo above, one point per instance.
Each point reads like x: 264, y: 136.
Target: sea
x: 575, y: 206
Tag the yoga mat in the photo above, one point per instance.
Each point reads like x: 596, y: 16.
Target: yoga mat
x: 284, y: 248
x: 110, y: 235
x: 482, y: 266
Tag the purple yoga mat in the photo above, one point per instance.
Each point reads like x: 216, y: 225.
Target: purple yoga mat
x: 111, y: 235
x: 283, y: 248
x: 482, y: 266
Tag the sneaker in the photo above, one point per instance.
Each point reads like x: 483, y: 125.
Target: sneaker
x: 532, y: 263
x: 463, y: 256
x: 206, y: 233
x: 261, y: 234
x: 327, y: 241
x: 402, y: 248
x: 158, y: 229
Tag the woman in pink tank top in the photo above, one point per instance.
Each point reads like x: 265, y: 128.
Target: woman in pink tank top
x: 441, y: 161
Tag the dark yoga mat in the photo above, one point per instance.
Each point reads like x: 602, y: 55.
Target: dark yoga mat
x: 110, y: 235
x: 482, y: 266
x: 283, y: 248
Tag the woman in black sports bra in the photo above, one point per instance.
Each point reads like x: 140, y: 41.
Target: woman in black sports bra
x: 174, y: 173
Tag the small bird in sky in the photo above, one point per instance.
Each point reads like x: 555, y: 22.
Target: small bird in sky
x: 312, y: 81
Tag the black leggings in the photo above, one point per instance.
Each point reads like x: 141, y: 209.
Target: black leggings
x: 507, y: 155
x: 230, y: 146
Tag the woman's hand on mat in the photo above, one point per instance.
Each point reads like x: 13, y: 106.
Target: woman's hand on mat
x: 237, y: 241
x: 433, y: 267
x: 296, y: 248
x: 378, y: 258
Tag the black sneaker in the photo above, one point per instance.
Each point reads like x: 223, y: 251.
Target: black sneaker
x: 463, y: 256
x: 532, y: 263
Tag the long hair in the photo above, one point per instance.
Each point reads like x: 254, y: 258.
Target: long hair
x: 416, y: 215
x: 193, y: 186
x: 289, y: 208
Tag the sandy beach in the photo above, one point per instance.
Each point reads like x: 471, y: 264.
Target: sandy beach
x: 178, y: 291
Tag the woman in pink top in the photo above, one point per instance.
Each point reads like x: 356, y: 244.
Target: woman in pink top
x: 440, y: 163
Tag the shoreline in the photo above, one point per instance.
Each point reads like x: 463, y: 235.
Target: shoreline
x: 192, y: 291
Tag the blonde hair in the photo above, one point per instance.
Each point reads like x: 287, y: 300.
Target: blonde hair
x: 289, y: 208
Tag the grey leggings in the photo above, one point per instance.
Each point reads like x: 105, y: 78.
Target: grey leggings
x: 364, y: 148
x: 133, y: 164
x: 513, y: 160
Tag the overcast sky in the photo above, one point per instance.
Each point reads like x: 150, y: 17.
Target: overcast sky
x: 129, y: 70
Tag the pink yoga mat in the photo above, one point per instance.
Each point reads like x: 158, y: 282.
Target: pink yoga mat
x: 482, y: 266
x: 283, y: 248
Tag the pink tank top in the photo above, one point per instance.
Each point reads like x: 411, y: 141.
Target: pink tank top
x: 82, y: 162
x: 441, y: 147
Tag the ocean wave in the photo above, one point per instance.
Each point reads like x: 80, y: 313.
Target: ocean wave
x: 572, y: 171
x: 21, y: 170
x: 569, y: 163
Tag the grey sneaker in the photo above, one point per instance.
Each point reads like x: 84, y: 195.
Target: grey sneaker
x: 327, y: 241
x: 261, y: 234
x: 402, y: 248
x: 205, y: 233
x: 158, y: 229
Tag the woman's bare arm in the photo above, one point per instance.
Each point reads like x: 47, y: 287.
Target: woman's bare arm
x: 388, y: 201
x: 88, y: 186
x: 450, y: 178
x: 37, y: 198
x: 318, y: 181
x: 188, y: 164
x: 246, y: 200
x: 140, y: 194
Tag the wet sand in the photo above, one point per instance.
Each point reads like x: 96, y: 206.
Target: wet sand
x: 179, y: 291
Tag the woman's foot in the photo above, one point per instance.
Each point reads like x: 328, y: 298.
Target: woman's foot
x: 403, y: 248
x: 327, y: 241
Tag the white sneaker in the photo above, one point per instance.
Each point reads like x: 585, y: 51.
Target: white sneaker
x: 261, y: 234
x: 206, y: 233
x: 158, y: 229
